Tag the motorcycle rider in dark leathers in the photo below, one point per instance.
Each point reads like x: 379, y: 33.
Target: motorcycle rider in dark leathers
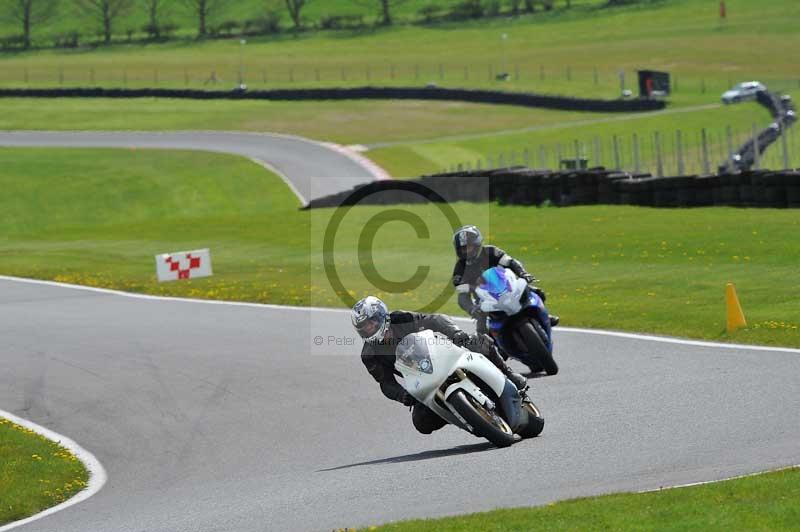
x: 473, y: 259
x: 382, y: 331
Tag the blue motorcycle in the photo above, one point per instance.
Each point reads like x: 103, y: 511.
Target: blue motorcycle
x: 517, y: 319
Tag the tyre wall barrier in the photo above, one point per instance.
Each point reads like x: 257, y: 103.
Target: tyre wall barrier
x: 524, y: 186
x: 355, y: 93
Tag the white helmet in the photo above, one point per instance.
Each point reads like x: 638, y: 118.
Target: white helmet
x: 370, y: 317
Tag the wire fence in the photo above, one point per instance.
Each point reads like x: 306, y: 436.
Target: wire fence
x: 657, y: 152
x: 581, y: 80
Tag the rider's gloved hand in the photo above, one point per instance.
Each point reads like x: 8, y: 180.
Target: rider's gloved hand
x: 539, y: 292
x: 476, y: 312
x: 530, y: 279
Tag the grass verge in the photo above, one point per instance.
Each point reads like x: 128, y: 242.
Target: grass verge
x: 35, y: 473
x: 760, y: 502
x: 97, y: 217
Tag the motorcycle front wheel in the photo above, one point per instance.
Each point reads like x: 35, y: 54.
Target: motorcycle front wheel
x: 484, y: 422
x: 535, y: 422
x: 529, y: 333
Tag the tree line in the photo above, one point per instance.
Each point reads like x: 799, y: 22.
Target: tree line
x: 28, y: 14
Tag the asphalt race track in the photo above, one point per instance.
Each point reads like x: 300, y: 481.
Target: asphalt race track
x: 219, y: 417
x: 313, y: 169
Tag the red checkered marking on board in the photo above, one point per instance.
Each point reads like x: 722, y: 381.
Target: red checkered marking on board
x: 183, y: 273
x: 183, y: 265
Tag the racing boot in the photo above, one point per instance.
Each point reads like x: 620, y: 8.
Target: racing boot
x: 516, y: 379
x: 554, y: 320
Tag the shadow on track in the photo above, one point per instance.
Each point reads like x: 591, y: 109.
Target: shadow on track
x: 424, y: 455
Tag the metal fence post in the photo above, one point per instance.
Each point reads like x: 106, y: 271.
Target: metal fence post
x: 636, y: 162
x: 615, y: 143
x: 659, y: 161
x: 558, y: 156
x: 598, y: 157
x: 577, y: 154
x: 478, y: 164
x: 704, y: 142
x: 526, y: 157
x: 679, y: 146
x: 785, y: 148
x: 542, y: 156
x: 489, y: 162
x: 756, y: 153
x: 501, y: 160
x: 729, y: 135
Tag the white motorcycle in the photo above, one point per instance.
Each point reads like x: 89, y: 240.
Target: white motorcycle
x: 465, y: 389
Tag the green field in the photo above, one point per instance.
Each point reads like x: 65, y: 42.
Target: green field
x: 557, y: 52
x: 411, y: 138
x: 97, y: 217
x: 35, y: 473
x: 762, y: 502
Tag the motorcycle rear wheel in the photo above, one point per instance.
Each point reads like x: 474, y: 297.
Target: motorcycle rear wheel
x: 484, y: 423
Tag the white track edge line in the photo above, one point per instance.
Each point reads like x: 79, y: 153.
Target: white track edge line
x: 97, y: 474
x: 601, y: 332
x: 284, y: 177
x: 704, y: 482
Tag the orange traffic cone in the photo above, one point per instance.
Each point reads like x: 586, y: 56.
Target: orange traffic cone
x: 735, y: 315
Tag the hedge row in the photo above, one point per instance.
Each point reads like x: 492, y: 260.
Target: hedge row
x: 523, y: 186
x: 355, y: 93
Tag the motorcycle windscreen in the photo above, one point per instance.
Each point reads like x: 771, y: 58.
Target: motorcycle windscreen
x: 495, y: 281
x: 414, y: 353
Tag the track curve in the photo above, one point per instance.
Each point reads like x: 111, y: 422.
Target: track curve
x: 312, y: 169
x: 218, y: 417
